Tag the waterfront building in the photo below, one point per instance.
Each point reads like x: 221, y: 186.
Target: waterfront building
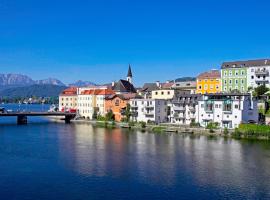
x: 92, y: 100
x: 117, y: 103
x: 234, y: 76
x: 189, y: 86
x: 124, y: 86
x: 149, y: 110
x: 68, y: 100
x: 183, y: 109
x: 209, y: 82
x: 228, y: 110
x: 258, y: 73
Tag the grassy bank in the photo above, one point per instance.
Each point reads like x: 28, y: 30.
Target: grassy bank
x: 252, y: 131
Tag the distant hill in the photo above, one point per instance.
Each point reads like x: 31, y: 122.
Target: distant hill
x: 183, y: 79
x: 43, y: 90
x: 15, y: 80
x: 50, y: 81
x: 81, y: 83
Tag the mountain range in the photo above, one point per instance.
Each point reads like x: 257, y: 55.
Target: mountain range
x: 18, y: 85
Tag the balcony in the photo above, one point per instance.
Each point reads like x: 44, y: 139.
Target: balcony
x: 179, y: 108
x: 261, y: 72
x: 179, y: 116
x: 149, y: 106
x: 262, y: 81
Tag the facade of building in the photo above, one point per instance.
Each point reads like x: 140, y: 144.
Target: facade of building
x: 209, y: 82
x: 184, y: 109
x: 68, y: 100
x: 117, y: 103
x: 92, y: 100
x: 258, y: 73
x: 228, y: 110
x: 189, y: 86
x: 149, y: 110
x: 234, y: 77
x: 162, y: 94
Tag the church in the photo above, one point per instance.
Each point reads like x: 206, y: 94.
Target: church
x: 124, y: 86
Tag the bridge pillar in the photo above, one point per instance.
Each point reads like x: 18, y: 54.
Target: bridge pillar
x: 68, y: 119
x: 21, y: 119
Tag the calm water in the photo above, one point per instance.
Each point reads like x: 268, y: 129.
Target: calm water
x: 78, y: 161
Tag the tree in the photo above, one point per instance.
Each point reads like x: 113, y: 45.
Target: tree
x: 95, y: 115
x: 109, y: 116
x: 127, y: 112
x: 260, y: 90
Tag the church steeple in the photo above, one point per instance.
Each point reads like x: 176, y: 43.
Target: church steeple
x: 129, y: 75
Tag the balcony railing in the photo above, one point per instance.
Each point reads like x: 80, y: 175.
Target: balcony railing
x: 179, y: 108
x: 262, y: 72
x: 262, y: 81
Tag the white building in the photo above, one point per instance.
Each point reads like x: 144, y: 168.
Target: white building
x: 91, y: 100
x: 68, y: 100
x: 149, y: 110
x: 228, y: 110
x: 258, y: 73
x: 184, y: 109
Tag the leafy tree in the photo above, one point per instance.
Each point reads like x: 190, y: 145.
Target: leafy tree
x: 260, y: 90
x: 127, y: 112
x: 110, y: 116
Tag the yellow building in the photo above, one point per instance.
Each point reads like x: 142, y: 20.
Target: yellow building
x: 209, y: 82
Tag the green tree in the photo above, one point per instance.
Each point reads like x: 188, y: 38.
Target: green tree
x: 109, y: 116
x: 260, y: 90
x: 127, y: 112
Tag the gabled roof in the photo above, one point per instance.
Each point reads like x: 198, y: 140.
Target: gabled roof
x: 166, y: 85
x: 149, y: 87
x: 247, y: 63
x: 210, y: 74
x: 124, y: 86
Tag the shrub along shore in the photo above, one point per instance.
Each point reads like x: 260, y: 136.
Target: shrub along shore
x: 244, y: 131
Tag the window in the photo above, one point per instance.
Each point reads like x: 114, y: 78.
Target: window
x: 252, y: 77
x: 230, y: 73
x: 225, y: 73
x: 242, y: 81
x: 242, y: 72
x: 225, y: 88
x: 156, y: 93
x: 117, y: 102
x: 230, y: 81
x: 236, y: 81
x: 217, y: 87
x: 236, y: 106
x: 200, y: 87
x: 225, y: 81
x: 168, y: 93
x: 162, y: 93
x: 205, y: 87
x: 236, y: 72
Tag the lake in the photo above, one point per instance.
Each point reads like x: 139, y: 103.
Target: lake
x: 45, y: 160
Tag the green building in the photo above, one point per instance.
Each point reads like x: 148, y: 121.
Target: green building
x: 234, y: 77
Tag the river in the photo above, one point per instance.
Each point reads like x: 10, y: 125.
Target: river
x: 45, y: 160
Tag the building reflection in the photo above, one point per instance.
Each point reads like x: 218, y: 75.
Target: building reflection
x: 164, y: 159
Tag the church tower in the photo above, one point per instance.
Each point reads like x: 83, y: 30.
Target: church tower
x: 129, y: 75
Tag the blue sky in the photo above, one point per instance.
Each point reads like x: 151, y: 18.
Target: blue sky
x: 96, y: 40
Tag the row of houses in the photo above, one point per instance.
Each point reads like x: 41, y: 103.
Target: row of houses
x: 214, y: 96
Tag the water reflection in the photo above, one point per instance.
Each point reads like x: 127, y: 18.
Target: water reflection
x: 167, y: 159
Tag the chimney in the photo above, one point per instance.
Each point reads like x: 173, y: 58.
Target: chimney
x: 158, y: 83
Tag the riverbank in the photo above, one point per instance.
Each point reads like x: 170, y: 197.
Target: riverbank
x: 245, y: 131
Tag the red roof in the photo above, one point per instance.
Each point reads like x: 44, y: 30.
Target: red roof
x: 69, y: 91
x: 98, y: 92
x: 209, y: 74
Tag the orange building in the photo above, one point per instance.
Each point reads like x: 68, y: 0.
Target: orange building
x: 117, y: 103
x: 209, y: 82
